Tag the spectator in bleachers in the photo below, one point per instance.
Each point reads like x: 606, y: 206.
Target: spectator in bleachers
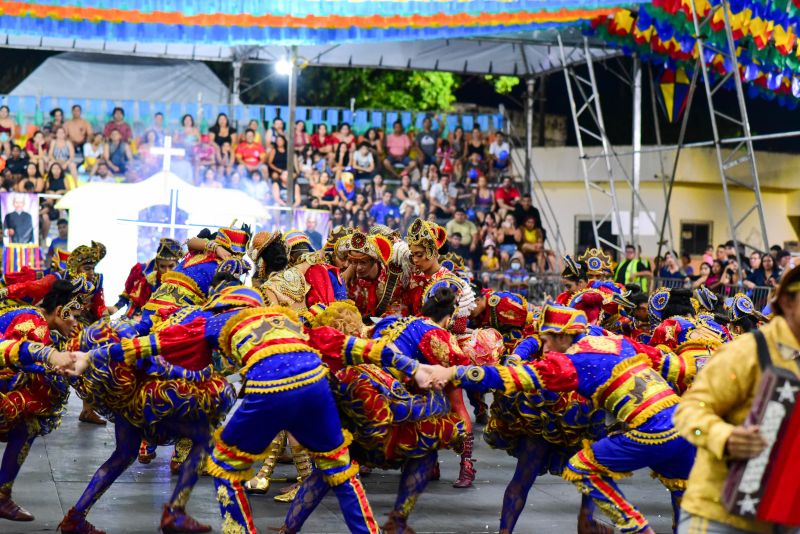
x: 93, y: 153
x: 36, y: 147
x: 363, y: 163
x: 56, y: 120
x: 235, y: 181
x: 280, y: 195
x: 341, y: 158
x: 772, y: 273
x: 250, y: 156
x: 210, y: 179
x: 8, y: 128
x: 17, y: 161
x: 301, y: 137
x: 468, y: 231
x: 784, y: 259
x: 484, y: 199
x: 722, y: 255
x: 117, y: 153
x: 670, y: 268
x: 708, y: 256
x: 55, y: 182
x: 444, y: 157
x: 188, y: 134
x: 398, y: 146
x: 222, y: 132
x: 79, y: 132
x: 755, y: 276
x: 373, y: 139
x: 205, y: 155
x: 458, y: 144
x: 412, y: 206
x: 277, y: 158
x: 32, y: 181
x: 324, y: 190
x: 507, y: 236
x: 531, y: 243
x: 60, y: 241
x: 257, y: 187
x: 62, y: 151
x: 714, y: 280
x: 102, y: 174
x: 385, y: 208
x: 475, y: 146
x: 158, y: 128
x: 773, y: 251
x: 323, y: 143
x: 499, y: 155
x: 441, y: 199
x: 490, y: 263
x: 226, y: 160
x: 525, y: 209
x: 117, y: 123
x: 378, y: 188
x: 345, y: 135
x: 346, y: 188
x: 254, y: 125
x: 426, y: 144
x: 686, y: 264
x: 278, y: 129
x: 515, y: 278
x: 506, y: 197
x: 429, y: 177
x: 705, y: 274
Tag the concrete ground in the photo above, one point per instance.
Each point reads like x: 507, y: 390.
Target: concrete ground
x: 61, y: 464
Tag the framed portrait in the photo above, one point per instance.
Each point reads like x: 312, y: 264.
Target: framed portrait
x: 20, y: 212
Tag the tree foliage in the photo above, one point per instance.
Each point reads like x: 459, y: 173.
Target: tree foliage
x: 379, y: 89
x: 503, y: 84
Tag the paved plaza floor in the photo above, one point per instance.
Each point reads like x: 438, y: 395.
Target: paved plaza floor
x: 61, y: 464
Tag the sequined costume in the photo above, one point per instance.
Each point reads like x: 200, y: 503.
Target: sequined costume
x: 162, y: 388
x: 613, y: 373
x: 189, y: 283
x: 392, y: 425
x: 692, y: 340
x: 144, y: 278
x: 377, y: 296
x: 32, y: 397
x: 285, y: 389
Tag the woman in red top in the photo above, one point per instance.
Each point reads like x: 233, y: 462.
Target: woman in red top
x: 322, y: 142
x: 37, y: 149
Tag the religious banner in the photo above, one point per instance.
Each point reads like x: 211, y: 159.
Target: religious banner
x: 20, y: 212
x: 316, y: 224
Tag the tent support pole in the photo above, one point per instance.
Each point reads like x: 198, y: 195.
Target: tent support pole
x: 290, y: 128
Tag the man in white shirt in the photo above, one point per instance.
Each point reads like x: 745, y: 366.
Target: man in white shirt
x: 499, y: 155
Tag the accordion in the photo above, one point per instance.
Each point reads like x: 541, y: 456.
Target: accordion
x: 767, y: 487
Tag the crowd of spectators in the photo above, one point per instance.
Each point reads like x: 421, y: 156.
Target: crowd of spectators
x: 723, y: 270
x: 463, y: 181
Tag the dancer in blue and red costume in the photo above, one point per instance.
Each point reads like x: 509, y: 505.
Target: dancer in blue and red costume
x: 81, y: 262
x: 427, y: 242
x: 393, y: 425
x: 189, y: 283
x: 677, y: 330
x: 285, y: 389
x: 145, y: 278
x: 33, y: 396
x: 162, y: 388
x: 616, y: 375
x: 574, y: 278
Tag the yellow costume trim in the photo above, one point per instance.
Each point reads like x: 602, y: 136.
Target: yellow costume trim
x: 234, y: 449
x: 672, y: 484
x: 340, y: 478
x: 575, y: 465
x: 139, y: 347
x: 653, y: 409
x: 265, y: 387
x: 184, y: 282
x: 508, y: 382
x: 227, y: 330
x: 222, y: 496
x: 652, y: 439
x: 348, y: 439
x: 272, y: 350
x: 10, y: 351
x: 231, y: 526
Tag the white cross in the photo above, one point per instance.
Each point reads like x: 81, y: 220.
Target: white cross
x: 167, y: 152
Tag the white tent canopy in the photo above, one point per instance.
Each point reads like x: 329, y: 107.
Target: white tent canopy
x: 518, y: 55
x: 84, y: 75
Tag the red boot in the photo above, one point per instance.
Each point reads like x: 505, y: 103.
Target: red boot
x: 175, y: 520
x: 75, y: 523
x: 467, y: 472
x: 397, y: 524
x: 11, y: 510
x: 145, y: 456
